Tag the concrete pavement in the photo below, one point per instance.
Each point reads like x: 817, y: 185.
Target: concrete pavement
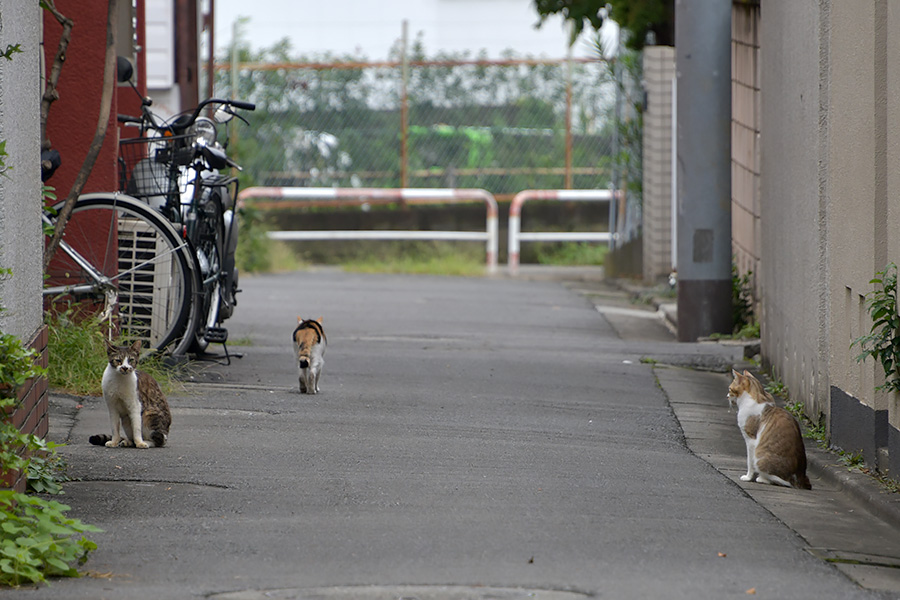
x: 851, y: 521
x: 475, y: 438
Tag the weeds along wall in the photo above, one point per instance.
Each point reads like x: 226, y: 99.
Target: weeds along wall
x: 504, y: 126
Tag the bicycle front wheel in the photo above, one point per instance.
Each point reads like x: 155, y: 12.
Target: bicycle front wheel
x: 209, y: 250
x: 121, y: 254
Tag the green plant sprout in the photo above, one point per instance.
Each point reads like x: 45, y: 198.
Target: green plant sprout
x: 883, y: 341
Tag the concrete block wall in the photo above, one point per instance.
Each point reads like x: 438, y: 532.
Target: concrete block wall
x: 745, y: 135
x: 659, y: 74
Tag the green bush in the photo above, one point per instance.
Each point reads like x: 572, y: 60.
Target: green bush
x: 256, y: 253
x: 252, y: 255
x: 37, y: 540
x: 742, y: 302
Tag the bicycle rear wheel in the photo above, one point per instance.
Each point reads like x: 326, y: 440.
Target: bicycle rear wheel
x: 146, y: 270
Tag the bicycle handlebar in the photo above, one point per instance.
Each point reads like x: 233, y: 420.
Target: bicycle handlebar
x: 242, y: 104
x: 180, y: 123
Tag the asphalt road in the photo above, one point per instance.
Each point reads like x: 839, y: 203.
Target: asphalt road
x: 474, y: 438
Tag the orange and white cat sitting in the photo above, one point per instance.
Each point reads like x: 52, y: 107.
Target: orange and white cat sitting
x: 309, y: 348
x: 775, y: 451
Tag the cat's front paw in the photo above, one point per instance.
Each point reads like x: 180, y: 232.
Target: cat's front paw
x: 142, y: 445
x: 747, y: 477
x: 111, y: 444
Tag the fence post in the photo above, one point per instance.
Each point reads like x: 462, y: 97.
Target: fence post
x: 404, y: 111
x: 568, y: 165
x: 515, y: 220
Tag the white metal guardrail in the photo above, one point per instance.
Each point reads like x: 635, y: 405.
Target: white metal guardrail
x: 516, y: 235
x: 362, y: 196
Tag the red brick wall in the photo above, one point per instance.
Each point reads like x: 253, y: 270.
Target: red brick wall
x: 31, y: 414
x: 72, y: 121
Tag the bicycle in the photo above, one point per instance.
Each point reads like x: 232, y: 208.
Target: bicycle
x: 157, y: 256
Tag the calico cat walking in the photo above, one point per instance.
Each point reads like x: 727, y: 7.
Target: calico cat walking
x: 775, y: 451
x: 309, y: 348
x: 135, y: 401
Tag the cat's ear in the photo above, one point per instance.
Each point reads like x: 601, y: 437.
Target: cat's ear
x: 109, y: 344
x: 299, y: 319
x: 747, y: 374
x: 136, y: 346
x: 319, y: 320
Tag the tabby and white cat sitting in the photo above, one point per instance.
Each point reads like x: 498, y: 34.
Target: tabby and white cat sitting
x: 309, y: 349
x: 135, y: 401
x: 775, y: 451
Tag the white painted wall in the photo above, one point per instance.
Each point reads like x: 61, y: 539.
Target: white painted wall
x: 20, y: 192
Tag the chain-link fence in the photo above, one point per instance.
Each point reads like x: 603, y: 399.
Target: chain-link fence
x: 504, y: 126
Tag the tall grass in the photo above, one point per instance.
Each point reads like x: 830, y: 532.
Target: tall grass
x: 571, y: 253
x: 420, y: 258
x: 77, y: 356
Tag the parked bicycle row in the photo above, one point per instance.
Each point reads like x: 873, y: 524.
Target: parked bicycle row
x: 156, y: 257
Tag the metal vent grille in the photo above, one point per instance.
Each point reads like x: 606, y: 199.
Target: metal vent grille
x: 147, y: 300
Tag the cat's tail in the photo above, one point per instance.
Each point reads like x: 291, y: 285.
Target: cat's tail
x: 159, y: 438
x: 100, y: 439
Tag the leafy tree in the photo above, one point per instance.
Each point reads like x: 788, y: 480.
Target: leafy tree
x: 639, y: 17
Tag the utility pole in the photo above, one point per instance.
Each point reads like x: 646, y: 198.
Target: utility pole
x: 703, y: 66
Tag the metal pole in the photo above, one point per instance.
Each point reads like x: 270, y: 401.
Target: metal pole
x: 234, y: 59
x: 616, y: 140
x: 703, y: 60
x: 673, y: 190
x: 569, y: 107
x: 211, y: 51
x: 404, y: 109
x: 232, y: 138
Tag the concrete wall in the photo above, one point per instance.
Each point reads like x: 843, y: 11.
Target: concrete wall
x: 830, y: 207
x: 21, y: 240
x: 857, y: 213
x: 20, y: 190
x: 889, y: 122
x: 659, y: 73
x: 793, y: 278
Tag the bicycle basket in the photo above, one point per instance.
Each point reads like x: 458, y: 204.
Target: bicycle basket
x: 150, y: 168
